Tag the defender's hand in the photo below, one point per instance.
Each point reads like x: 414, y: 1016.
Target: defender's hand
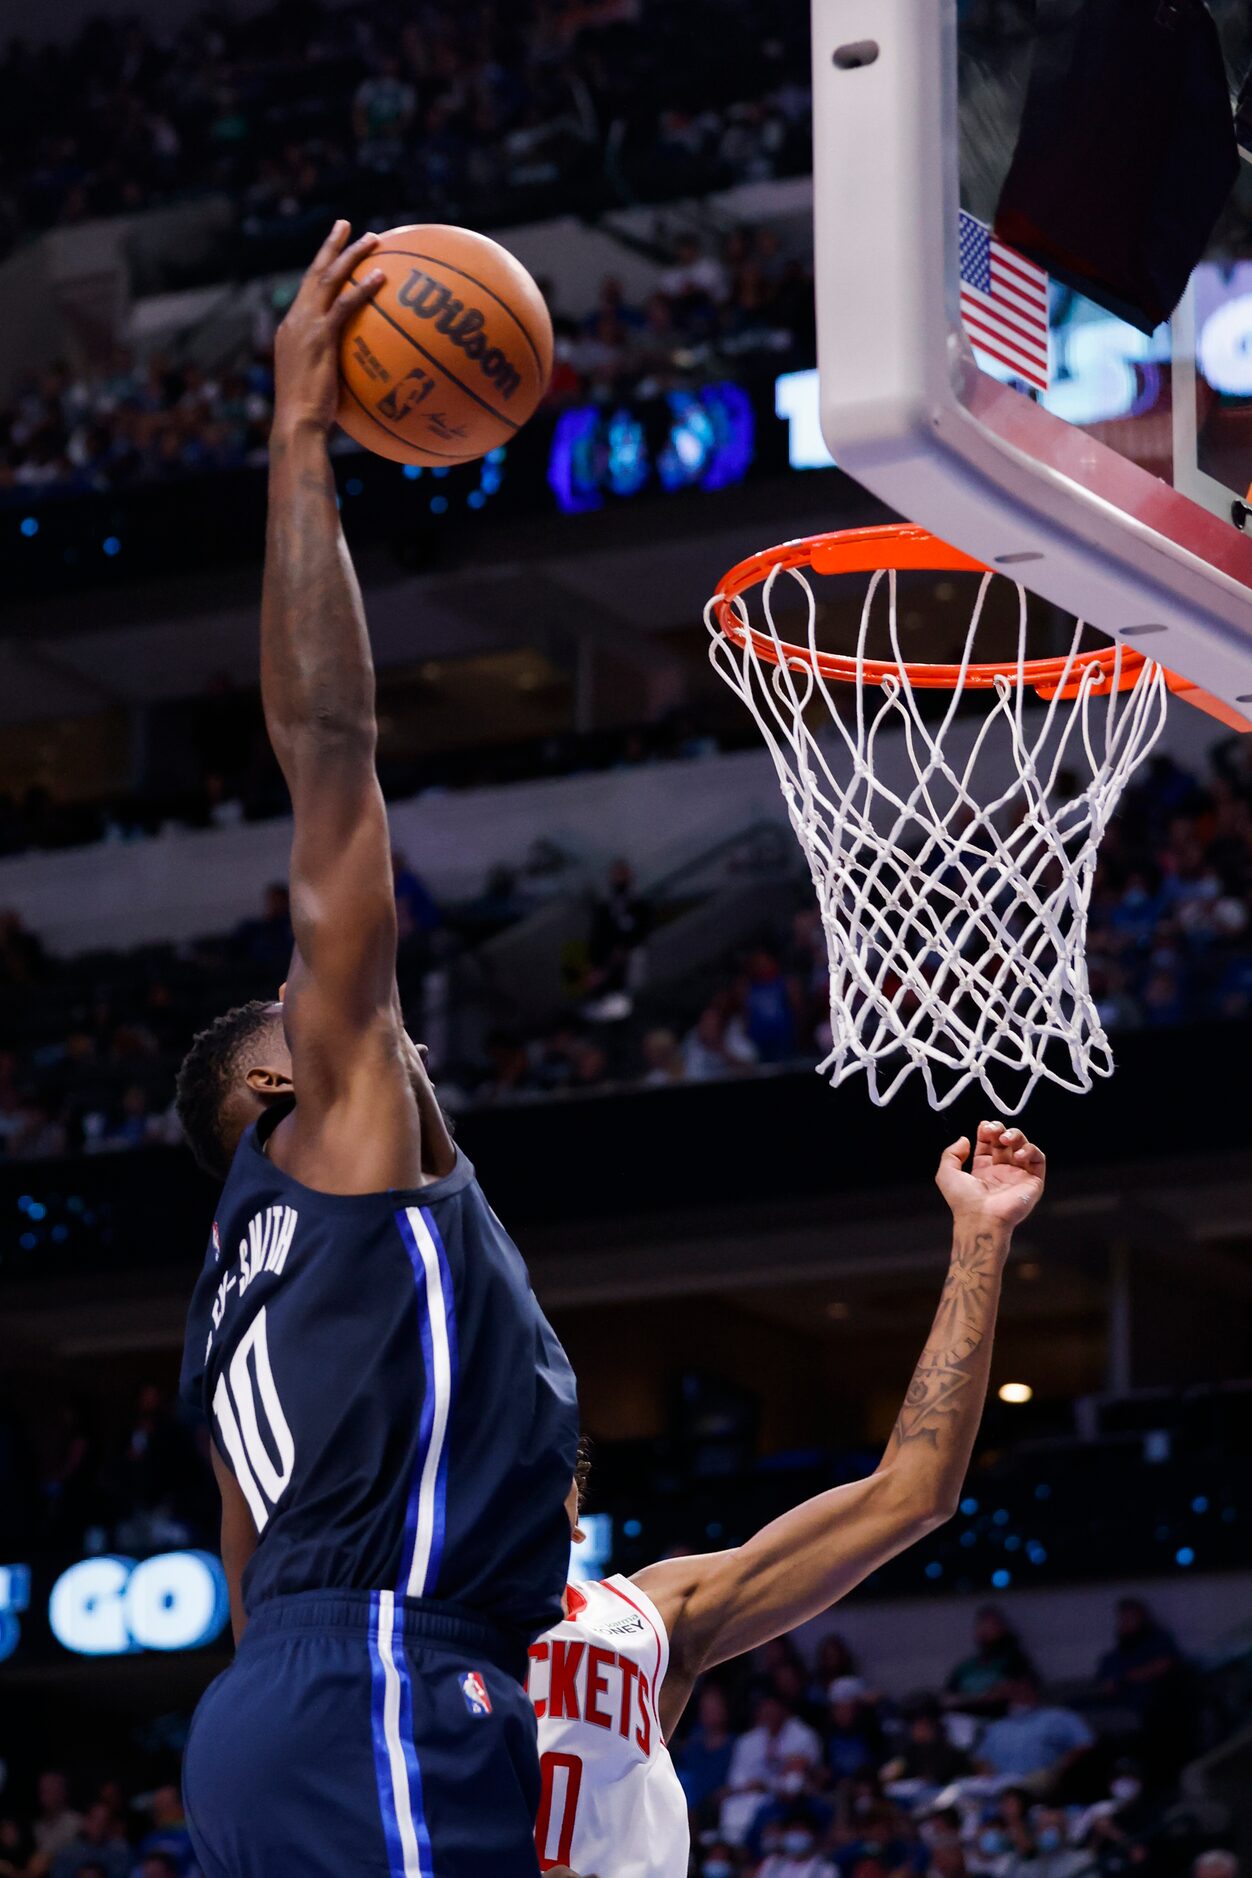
x: 1004, y: 1181
x: 306, y: 346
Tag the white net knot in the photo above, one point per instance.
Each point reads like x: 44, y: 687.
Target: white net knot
x: 953, y: 859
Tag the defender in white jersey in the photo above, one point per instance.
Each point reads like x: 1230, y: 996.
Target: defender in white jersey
x: 611, y: 1680
x: 607, y: 1778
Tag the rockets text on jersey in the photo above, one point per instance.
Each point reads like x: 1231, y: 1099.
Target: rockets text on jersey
x: 610, y: 1799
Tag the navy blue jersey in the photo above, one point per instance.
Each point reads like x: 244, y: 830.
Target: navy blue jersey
x: 386, y: 1391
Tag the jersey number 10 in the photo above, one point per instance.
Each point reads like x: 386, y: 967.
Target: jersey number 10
x: 262, y: 1469
x: 562, y: 1778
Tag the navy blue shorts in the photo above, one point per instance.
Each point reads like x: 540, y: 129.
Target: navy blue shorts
x: 357, y: 1735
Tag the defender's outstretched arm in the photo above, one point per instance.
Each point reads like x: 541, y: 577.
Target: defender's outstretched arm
x: 356, y: 1127
x: 724, y: 1603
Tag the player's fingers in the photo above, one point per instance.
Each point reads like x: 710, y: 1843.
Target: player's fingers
x: 325, y: 255
x: 953, y: 1158
x: 356, y: 294
x: 343, y: 266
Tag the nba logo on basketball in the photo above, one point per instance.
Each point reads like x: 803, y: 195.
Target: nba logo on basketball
x: 474, y: 1689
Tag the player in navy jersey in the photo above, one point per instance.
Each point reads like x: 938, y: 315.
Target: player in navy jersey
x: 394, y: 1423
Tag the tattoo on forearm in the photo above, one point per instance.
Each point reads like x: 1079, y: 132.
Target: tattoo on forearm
x: 961, y: 1323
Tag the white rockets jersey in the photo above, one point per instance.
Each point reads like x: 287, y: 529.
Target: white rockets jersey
x: 610, y: 1801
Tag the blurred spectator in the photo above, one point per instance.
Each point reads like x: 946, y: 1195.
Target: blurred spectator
x: 772, y: 1758
x: 1052, y: 1856
x: 769, y: 1018
x: 719, y: 1044
x: 267, y: 942
x: 664, y: 1059
x: 703, y: 1756
x: 798, y: 1855
x: 382, y: 111
x: 1015, y: 1814
x: 620, y: 922
x: 981, y: 1682
x: 1033, y: 1744
x: 1145, y: 1672
x: 56, y: 1825
x: 152, y: 1473
x: 941, y: 1836
x: 98, y: 1843
x: 17, y: 1846
x: 1143, y: 1658
x: 694, y: 274
x: 169, y: 1841
x: 854, y: 1739
x: 834, y: 1659
x: 927, y: 1760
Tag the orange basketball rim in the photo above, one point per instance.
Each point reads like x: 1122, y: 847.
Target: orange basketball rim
x: 900, y: 547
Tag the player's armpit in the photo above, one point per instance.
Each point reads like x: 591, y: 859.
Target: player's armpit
x: 239, y: 1538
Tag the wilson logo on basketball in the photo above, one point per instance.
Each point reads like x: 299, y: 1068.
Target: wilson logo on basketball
x: 464, y: 325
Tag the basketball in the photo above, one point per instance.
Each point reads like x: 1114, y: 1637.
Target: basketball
x: 453, y: 353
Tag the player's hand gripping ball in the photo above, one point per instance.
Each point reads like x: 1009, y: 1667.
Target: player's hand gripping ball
x: 450, y: 356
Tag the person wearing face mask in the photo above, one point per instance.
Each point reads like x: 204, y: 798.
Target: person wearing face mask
x: 992, y: 1851
x: 797, y: 1855
x: 718, y: 1862
x: 773, y: 1758
x: 1054, y: 1856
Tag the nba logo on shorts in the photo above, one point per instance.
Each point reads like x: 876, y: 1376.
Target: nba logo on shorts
x: 474, y: 1689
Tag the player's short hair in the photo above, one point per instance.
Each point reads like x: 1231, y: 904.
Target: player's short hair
x: 209, y: 1075
x: 582, y: 1470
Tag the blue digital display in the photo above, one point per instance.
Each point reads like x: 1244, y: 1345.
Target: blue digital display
x: 703, y: 439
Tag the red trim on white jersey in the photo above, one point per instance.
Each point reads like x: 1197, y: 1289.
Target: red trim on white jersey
x: 607, y: 1585
x: 610, y: 1801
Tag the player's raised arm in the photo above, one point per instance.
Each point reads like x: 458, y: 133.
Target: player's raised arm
x: 721, y: 1604
x: 317, y: 687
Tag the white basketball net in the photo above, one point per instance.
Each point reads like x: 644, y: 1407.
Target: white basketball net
x: 955, y: 919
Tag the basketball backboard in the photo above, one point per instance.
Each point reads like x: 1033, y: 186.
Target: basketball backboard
x: 1102, y: 466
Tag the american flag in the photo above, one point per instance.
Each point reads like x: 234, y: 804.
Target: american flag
x: 1004, y: 303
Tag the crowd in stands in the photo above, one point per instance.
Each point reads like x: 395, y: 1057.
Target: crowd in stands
x: 1168, y: 944
x: 93, y: 1044
x: 479, y: 112
x: 107, y: 1834
x: 136, y: 422
x: 800, y: 1768
x: 129, y: 1476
